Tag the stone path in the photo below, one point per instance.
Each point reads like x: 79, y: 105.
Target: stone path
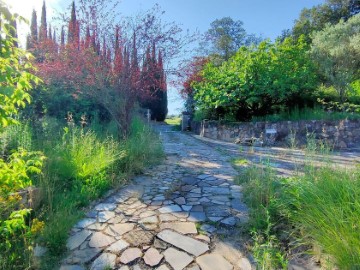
x: 284, y: 161
x: 183, y: 214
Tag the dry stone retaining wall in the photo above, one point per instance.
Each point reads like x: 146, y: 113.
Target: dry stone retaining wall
x: 338, y: 134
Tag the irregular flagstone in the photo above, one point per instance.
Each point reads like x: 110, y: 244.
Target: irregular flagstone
x: 130, y: 255
x: 85, y: 222
x: 152, y: 257
x: 231, y: 221
x: 138, y: 237
x: 163, y: 267
x: 185, y: 243
x: 105, y: 216
x: 203, y: 237
x: 105, y: 207
x: 103, y: 261
x: 118, y: 246
x: 167, y: 217
x: 181, y: 227
x: 71, y: 267
x: 121, y: 229
x: 159, y: 244
x: 244, y: 264
x: 212, y: 262
x: 177, y: 259
x: 151, y: 220
x: 99, y: 239
x: 197, y: 216
x: 170, y: 209
x: 124, y: 267
x: 85, y: 255
x: 77, y: 239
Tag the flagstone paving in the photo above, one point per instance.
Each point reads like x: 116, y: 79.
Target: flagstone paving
x: 171, y: 217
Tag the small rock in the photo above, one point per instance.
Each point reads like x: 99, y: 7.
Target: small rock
x: 177, y: 259
x: 186, y: 207
x: 130, y: 255
x: 152, y: 257
x: 124, y: 267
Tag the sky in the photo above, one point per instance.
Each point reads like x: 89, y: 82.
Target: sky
x: 261, y: 17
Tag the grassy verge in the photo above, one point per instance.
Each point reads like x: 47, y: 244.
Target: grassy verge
x: 317, y: 213
x: 81, y: 165
x: 316, y: 113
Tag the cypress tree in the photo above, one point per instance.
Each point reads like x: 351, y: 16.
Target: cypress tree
x: 62, y: 37
x: 73, y: 25
x: 43, y: 25
x: 32, y: 38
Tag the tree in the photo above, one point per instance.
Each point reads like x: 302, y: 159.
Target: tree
x: 257, y: 81
x: 226, y: 36
x: 15, y: 77
x: 43, y: 25
x: 336, y: 49
x: 316, y: 18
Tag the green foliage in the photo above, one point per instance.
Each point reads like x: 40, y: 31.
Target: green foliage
x: 81, y: 154
x: 334, y: 111
x: 319, y: 209
x: 257, y: 81
x: 15, y: 78
x: 336, y: 50
x: 16, y: 173
x: 316, y: 18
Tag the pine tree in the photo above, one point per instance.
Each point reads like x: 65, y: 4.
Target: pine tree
x: 43, y: 25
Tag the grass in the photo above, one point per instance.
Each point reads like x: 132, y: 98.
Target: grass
x: 320, y: 208
x: 316, y: 113
x: 81, y: 165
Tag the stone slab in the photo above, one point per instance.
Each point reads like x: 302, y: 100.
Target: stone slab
x: 181, y: 227
x: 177, y: 259
x: 183, y: 242
x: 105, y: 260
x: 77, y: 239
x: 212, y: 262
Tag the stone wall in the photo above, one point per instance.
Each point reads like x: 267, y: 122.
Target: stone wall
x: 337, y: 134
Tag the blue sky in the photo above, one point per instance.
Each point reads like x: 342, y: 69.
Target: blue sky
x: 261, y: 17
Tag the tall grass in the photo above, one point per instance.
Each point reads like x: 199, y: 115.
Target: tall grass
x: 81, y: 165
x: 319, y: 209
